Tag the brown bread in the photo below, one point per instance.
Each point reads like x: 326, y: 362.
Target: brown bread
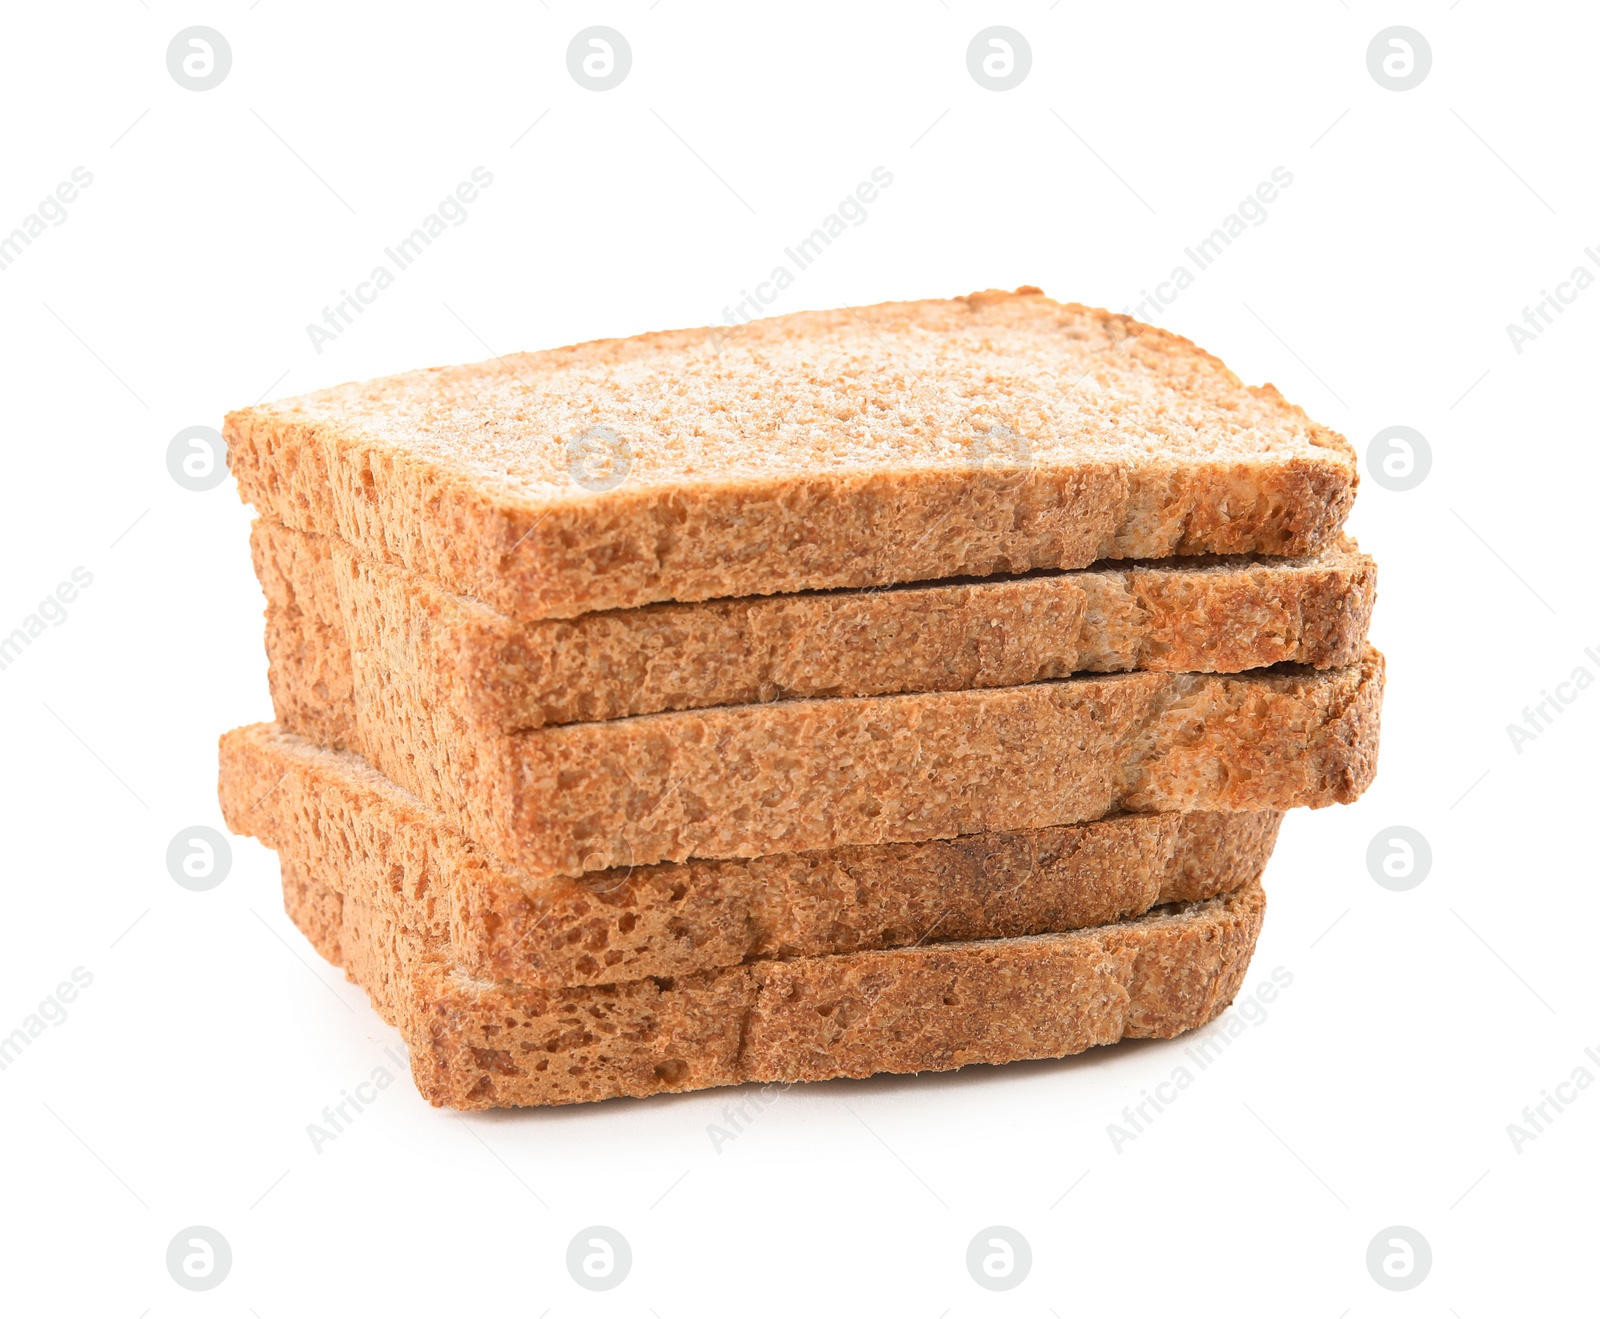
x: 335, y: 618
x: 790, y: 776
x: 1000, y: 432
x: 479, y: 1043
x: 329, y: 814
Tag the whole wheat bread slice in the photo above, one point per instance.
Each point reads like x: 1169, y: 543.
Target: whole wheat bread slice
x: 478, y: 1043
x: 791, y: 776
x: 903, y: 442
x: 329, y: 607
x: 329, y: 814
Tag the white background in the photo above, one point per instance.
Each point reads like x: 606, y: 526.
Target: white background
x: 1378, y: 1089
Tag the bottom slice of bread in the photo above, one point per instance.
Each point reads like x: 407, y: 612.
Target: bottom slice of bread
x: 478, y: 1043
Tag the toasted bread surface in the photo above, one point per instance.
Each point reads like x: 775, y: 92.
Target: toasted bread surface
x: 1000, y: 432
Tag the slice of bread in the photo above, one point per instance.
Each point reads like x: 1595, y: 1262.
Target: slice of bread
x: 791, y: 776
x: 1000, y: 432
x: 478, y: 1043
x: 329, y: 606
x: 329, y: 814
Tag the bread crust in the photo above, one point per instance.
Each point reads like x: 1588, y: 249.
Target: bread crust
x: 746, y: 781
x: 329, y: 608
x: 478, y: 1044
x: 329, y: 814
x: 861, y: 447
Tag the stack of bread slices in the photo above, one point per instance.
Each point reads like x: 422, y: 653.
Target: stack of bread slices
x: 880, y: 690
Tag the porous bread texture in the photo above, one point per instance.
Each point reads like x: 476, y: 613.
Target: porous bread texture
x: 792, y: 776
x: 478, y: 1043
x: 329, y: 607
x: 910, y: 441
x: 310, y: 667
x: 799, y: 775
x: 329, y: 814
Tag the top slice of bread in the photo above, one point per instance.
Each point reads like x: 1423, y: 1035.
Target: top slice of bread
x: 999, y: 432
